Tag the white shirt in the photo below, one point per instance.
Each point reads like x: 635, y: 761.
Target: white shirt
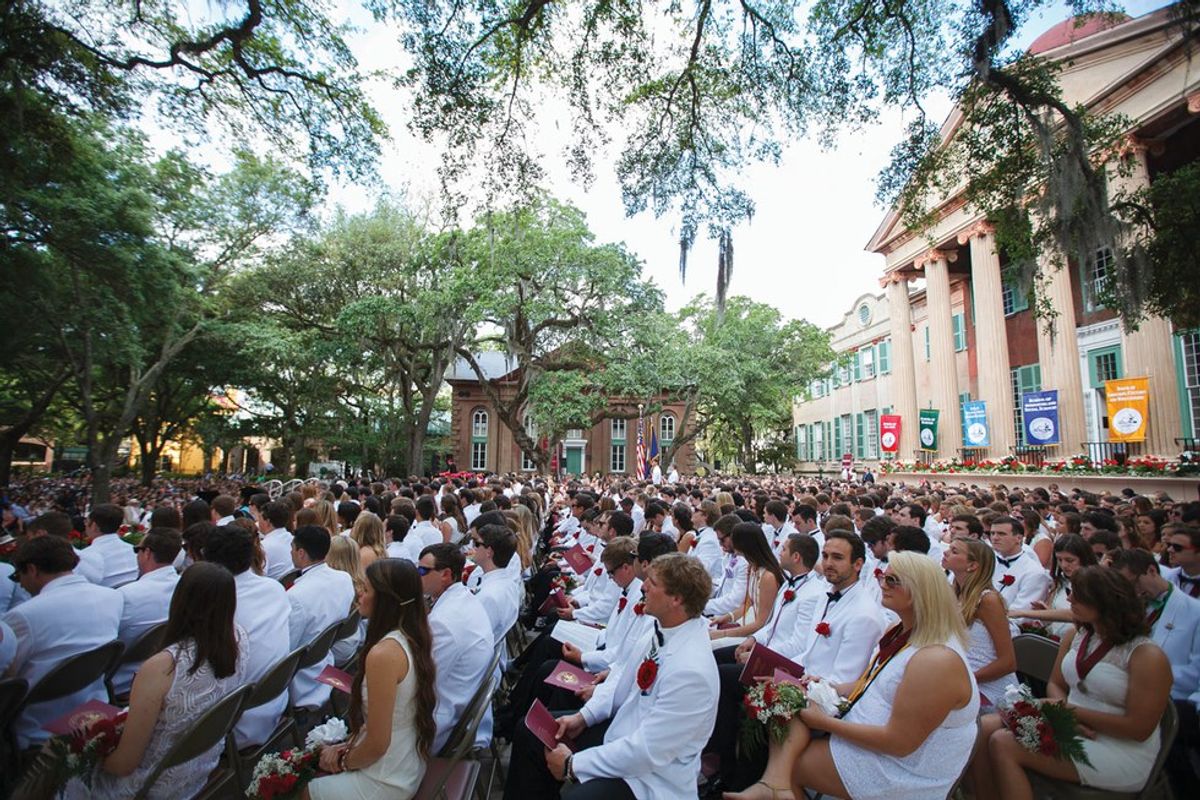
x: 263, y: 610
x: 639, y: 518
x: 673, y: 476
x: 656, y: 475
x: 320, y: 597
x: 656, y: 735
x: 110, y: 558
x: 8, y: 646
x: 501, y: 599
x: 615, y: 636
x: 277, y: 545
x: 855, y: 625
x: 470, y: 513
x: 68, y: 617
x: 786, y: 616
x: 223, y: 521
x: 426, y: 533
x: 1177, y: 632
x: 709, y: 551
x: 146, y: 602
x: 730, y: 591
x: 462, y: 651
x: 1029, y: 582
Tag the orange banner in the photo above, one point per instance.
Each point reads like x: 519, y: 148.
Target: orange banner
x: 1128, y: 402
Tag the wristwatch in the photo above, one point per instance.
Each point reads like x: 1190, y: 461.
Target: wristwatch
x: 569, y: 770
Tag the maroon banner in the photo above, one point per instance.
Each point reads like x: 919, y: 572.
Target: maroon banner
x: 889, y: 433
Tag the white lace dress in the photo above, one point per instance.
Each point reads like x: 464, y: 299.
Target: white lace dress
x: 927, y: 772
x: 190, y: 696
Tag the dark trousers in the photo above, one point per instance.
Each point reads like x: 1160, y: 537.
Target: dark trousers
x: 538, y: 588
x: 532, y: 686
x: 739, y: 769
x: 1184, y: 759
x: 529, y: 778
x: 599, y: 789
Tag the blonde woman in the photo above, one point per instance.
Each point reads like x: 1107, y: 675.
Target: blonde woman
x: 326, y: 516
x: 911, y: 723
x: 343, y: 555
x: 526, y: 533
x: 990, y: 652
x: 368, y: 532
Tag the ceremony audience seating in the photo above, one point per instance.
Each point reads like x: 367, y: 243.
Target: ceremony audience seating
x: 147, y: 645
x: 265, y: 690
x: 1035, y: 659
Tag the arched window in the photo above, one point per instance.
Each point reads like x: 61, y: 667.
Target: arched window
x: 666, y: 428
x: 479, y: 439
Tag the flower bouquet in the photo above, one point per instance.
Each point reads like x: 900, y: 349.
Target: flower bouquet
x: 771, y: 704
x: 1046, y: 727
x: 283, y: 775
x: 82, y: 739
x: 1038, y: 628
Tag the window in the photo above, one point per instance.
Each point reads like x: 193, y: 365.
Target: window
x: 479, y: 439
x: 960, y: 332
x: 845, y: 435
x: 1189, y: 369
x: 871, y: 423
x: 1096, y: 274
x: 885, y: 357
x: 575, y: 433
x: 1104, y: 364
x: 618, y: 430
x: 818, y: 444
x: 1013, y: 294
x: 801, y: 442
x: 666, y: 429
x: 1024, y: 379
x: 527, y: 462
x: 616, y: 462
x: 844, y: 374
x: 864, y: 314
x: 927, y: 350
x: 866, y: 358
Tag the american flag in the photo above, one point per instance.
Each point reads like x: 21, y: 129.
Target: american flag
x: 641, y: 452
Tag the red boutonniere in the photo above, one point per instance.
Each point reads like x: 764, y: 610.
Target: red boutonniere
x: 590, y: 548
x: 639, y: 608
x: 823, y: 629
x: 622, y: 604
x: 646, y: 674
x: 597, y: 571
x: 1007, y: 580
x: 789, y: 596
x: 878, y: 573
x: 467, y: 570
x: 692, y: 544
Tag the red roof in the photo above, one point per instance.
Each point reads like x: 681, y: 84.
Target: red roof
x: 1072, y: 30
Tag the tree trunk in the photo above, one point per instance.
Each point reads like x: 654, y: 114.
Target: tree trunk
x: 7, y: 446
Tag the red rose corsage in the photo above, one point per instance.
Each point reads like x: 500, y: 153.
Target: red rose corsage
x: 878, y: 573
x: 639, y: 608
x: 646, y: 674
x: 823, y: 629
x: 598, y: 571
x: 590, y: 548
x: 789, y: 596
x: 1007, y: 580
x: 621, y: 605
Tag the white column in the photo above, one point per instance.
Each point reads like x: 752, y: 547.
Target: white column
x: 904, y: 376
x: 942, y: 362
x: 991, y: 336
x: 1058, y: 353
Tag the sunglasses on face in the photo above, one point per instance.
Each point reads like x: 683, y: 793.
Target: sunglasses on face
x: 138, y: 548
x: 890, y: 581
x: 423, y: 571
x: 1177, y: 547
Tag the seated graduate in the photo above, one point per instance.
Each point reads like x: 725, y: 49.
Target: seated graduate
x: 641, y: 733
x: 908, y: 731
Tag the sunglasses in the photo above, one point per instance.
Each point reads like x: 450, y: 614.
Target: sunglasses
x: 1177, y: 547
x: 889, y: 580
x: 423, y: 571
x: 139, y: 548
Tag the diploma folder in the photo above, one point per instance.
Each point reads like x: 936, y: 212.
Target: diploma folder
x: 81, y: 717
x: 763, y: 662
x: 556, y: 599
x: 578, y: 560
x: 544, y: 726
x: 338, y: 679
x: 570, y: 677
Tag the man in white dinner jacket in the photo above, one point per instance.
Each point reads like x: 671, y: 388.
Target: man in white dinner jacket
x: 263, y: 611
x: 273, y: 524
x: 424, y: 529
x: 107, y: 554
x: 708, y: 548
x: 1019, y: 577
x: 65, y: 616
x: 641, y: 733
x: 147, y: 599
x: 844, y: 623
x: 462, y: 635
x: 319, y: 597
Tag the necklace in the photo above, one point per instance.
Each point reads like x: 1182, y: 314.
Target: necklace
x: 1084, y: 663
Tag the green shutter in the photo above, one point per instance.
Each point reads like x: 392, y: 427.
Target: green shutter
x: 1185, y: 401
x: 960, y: 333
x: 857, y: 365
x: 860, y: 438
x: 837, y: 437
x: 885, y: 357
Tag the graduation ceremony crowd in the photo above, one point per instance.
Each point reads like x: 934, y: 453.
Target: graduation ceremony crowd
x: 906, y: 598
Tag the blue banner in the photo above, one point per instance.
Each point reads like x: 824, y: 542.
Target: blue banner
x: 975, y: 427
x: 1039, y: 414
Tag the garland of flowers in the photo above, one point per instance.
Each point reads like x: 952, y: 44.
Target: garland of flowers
x: 1075, y: 465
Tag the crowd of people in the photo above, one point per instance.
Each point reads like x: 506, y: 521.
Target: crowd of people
x: 905, y: 598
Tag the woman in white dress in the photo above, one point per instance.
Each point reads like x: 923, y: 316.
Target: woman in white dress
x: 1071, y: 552
x: 762, y: 584
x: 1118, y: 682
x: 990, y: 651
x: 202, y: 661
x: 909, y: 730
x: 392, y: 699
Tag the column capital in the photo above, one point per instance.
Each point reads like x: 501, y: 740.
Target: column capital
x: 892, y: 278
x: 934, y: 254
x: 1193, y: 103
x: 1132, y: 145
x: 979, y: 230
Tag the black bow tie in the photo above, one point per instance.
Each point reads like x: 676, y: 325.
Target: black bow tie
x: 794, y: 579
x: 834, y: 596
x: 1008, y: 562
x: 1185, y: 579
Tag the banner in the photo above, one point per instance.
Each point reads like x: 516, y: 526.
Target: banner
x: 975, y: 427
x: 1039, y: 415
x: 889, y: 433
x: 1128, y: 401
x: 927, y: 424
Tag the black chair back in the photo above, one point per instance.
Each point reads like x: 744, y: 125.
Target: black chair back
x: 275, y: 681
x: 76, y: 673
x: 319, y: 647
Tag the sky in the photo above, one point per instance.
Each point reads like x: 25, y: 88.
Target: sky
x: 804, y: 251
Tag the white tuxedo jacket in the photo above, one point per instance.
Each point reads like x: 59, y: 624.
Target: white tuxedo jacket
x: 264, y: 612
x: 462, y: 650
x: 1030, y: 581
x: 112, y: 559
x: 1177, y: 632
x: 320, y: 597
x: 855, y: 625
x: 147, y: 601
x: 277, y: 545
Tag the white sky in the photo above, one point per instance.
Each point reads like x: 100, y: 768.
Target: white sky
x: 803, y: 253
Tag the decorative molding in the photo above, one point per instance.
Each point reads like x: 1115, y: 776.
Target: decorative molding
x: 979, y: 230
x: 896, y: 276
x: 934, y: 254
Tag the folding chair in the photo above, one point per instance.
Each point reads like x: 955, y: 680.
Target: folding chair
x: 1035, y: 659
x: 209, y: 730
x: 448, y: 779
x: 146, y: 645
x: 274, y: 683
x: 74, y: 674
x: 1157, y: 785
x: 12, y: 698
x: 311, y: 654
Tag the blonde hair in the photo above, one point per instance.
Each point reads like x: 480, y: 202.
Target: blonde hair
x: 368, y: 532
x: 326, y: 516
x: 723, y: 499
x: 525, y: 532
x: 936, y: 618
x: 343, y: 555
x: 978, y: 582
